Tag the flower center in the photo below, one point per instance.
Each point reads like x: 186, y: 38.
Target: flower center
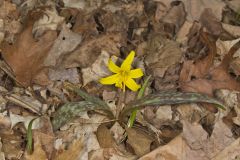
x: 124, y: 76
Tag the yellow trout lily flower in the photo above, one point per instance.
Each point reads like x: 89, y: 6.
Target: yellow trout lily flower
x: 123, y: 75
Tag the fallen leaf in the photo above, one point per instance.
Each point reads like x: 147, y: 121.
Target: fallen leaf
x: 12, y: 143
x: 26, y: 55
x: 85, y: 54
x: 175, y: 18
x: 38, y: 152
x: 49, y: 21
x: 2, y: 156
x: 117, y: 132
x: 210, y: 22
x: 139, y: 141
x: 105, y: 137
x: 97, y: 70
x: 161, y: 54
x: 174, y: 150
x: 233, y: 30
x: 231, y: 152
x: 70, y: 75
x: 74, y: 151
x: 195, y: 8
x: 234, y: 5
x: 66, y: 42
x: 198, y: 76
x: 6, y: 8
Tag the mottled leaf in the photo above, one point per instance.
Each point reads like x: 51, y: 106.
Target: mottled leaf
x: 169, y: 98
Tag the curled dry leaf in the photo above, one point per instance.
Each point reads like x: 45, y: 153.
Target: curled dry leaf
x: 197, y: 77
x: 49, y: 21
x: 26, y: 55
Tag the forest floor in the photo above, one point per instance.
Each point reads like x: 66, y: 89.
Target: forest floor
x: 175, y: 64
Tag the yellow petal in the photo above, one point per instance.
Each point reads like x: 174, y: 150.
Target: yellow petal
x: 136, y: 73
x: 110, y: 79
x: 126, y: 65
x: 113, y: 67
x: 131, y: 84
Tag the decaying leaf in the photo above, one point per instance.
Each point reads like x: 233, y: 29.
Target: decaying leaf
x: 139, y: 141
x: 26, y: 55
x: 161, y: 54
x: 85, y: 54
x: 195, y: 8
x: 74, y: 151
x: 97, y: 70
x: 175, y: 18
x: 198, y: 76
x: 49, y: 21
x: 66, y: 42
x: 70, y: 75
x: 38, y: 152
x: 105, y: 138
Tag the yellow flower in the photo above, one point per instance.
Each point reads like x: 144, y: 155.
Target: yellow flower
x: 123, y: 75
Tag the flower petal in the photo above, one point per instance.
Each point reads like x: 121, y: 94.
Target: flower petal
x: 136, y: 73
x: 131, y: 84
x: 110, y: 79
x: 126, y: 65
x: 113, y: 67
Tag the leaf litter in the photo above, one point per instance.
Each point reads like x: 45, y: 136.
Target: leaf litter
x: 54, y: 52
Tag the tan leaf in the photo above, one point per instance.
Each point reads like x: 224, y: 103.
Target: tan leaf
x: 26, y: 55
x: 73, y: 152
x: 38, y: 152
x: 139, y: 141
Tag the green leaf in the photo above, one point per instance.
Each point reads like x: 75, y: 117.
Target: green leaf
x: 71, y: 110
x: 29, y: 137
x: 169, y: 98
x: 95, y: 100
x: 140, y: 95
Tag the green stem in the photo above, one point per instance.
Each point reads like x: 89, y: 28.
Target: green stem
x: 140, y: 95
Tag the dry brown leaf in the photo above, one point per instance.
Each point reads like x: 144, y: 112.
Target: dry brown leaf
x: 195, y: 8
x: 70, y: 75
x: 26, y: 55
x: 210, y: 22
x: 38, y: 152
x: 175, y: 18
x: 197, y: 77
x: 46, y: 136
x: 49, y: 21
x: 105, y: 137
x: 231, y: 152
x: 12, y: 143
x: 139, y: 141
x: 161, y: 54
x: 66, y: 42
x: 90, y: 49
x: 174, y: 150
x: 74, y: 151
x: 97, y: 70
x: 194, y: 143
x: 6, y: 8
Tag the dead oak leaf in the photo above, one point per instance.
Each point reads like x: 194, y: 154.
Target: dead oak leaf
x: 26, y: 55
x: 199, y: 77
